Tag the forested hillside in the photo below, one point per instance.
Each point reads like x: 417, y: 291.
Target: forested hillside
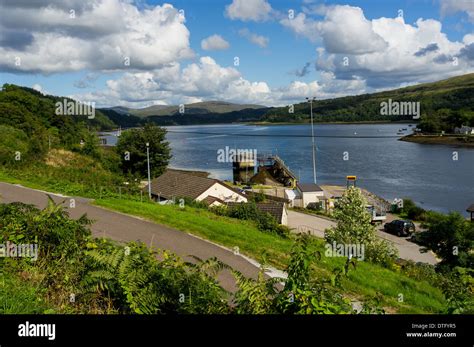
x: 443, y: 105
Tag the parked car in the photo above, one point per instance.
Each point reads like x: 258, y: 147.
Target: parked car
x: 400, y: 227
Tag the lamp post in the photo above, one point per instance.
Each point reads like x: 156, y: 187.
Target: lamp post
x: 312, y: 137
x: 148, y: 164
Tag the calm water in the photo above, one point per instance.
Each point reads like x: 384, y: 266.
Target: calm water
x: 385, y: 166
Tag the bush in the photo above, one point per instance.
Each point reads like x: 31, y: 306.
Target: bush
x: 314, y: 206
x: 458, y: 287
x: 421, y: 272
x: 302, y: 293
x: 12, y: 141
x: 412, y: 211
x: 265, y: 221
x: 451, y: 237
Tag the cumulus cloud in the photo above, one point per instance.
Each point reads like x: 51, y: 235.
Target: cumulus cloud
x: 207, y: 80
x: 346, y: 30
x: 57, y: 36
x: 383, y: 52
x: 249, y: 10
x: 214, y: 43
x: 343, y: 30
x: 258, y: 40
x: 303, y: 26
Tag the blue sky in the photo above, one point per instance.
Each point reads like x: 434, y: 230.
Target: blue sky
x: 271, y: 47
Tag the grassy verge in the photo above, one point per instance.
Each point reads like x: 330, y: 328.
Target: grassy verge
x: 400, y: 293
x: 222, y: 230
x: 20, y: 297
x: 75, y: 179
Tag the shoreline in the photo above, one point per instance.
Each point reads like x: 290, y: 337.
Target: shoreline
x: 439, y: 140
x: 328, y: 123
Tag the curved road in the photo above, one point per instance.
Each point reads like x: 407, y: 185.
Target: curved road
x: 125, y: 228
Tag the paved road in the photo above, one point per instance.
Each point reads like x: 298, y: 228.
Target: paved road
x: 303, y: 222
x: 122, y: 227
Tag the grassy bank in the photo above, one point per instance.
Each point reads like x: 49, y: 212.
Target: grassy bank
x: 365, y: 282
x: 68, y: 173
x: 18, y: 296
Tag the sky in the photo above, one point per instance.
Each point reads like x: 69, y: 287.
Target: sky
x: 266, y: 52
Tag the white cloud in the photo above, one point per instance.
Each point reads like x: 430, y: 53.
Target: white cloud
x: 449, y: 7
x: 249, y: 10
x: 346, y: 30
x: 468, y: 39
x: 258, y: 40
x: 303, y: 26
x: 207, y: 80
x: 343, y: 30
x: 38, y: 88
x: 101, y: 36
x: 383, y: 52
x: 214, y: 43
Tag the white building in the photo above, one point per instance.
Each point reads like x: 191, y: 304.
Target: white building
x: 307, y: 193
x: 179, y: 184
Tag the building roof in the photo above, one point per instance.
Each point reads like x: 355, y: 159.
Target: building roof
x: 251, y: 194
x: 309, y: 187
x: 204, y: 174
x: 209, y: 200
x: 274, y: 208
x: 470, y: 208
x: 174, y: 183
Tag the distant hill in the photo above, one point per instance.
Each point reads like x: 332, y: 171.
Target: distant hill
x: 119, y: 109
x: 444, y: 97
x: 188, y: 118
x: 121, y: 117
x: 207, y: 107
x: 22, y: 106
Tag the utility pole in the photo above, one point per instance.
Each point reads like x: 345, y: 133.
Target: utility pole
x: 148, y: 164
x: 312, y: 137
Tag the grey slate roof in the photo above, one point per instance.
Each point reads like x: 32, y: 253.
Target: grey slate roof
x: 174, y: 183
x: 209, y: 200
x: 309, y: 187
x: 274, y: 208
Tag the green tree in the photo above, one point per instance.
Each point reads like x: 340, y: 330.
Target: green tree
x: 353, y: 220
x: 354, y: 227
x: 451, y: 237
x: 90, y: 146
x: 133, y: 150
